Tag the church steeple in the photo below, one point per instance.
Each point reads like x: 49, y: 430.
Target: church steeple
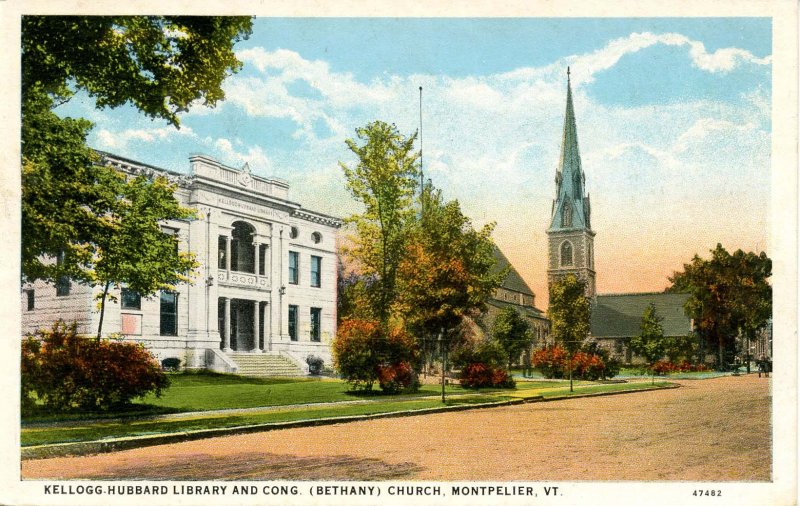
x: 570, y: 234
x: 570, y: 207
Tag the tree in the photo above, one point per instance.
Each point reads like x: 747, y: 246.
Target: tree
x: 137, y: 252
x: 160, y: 65
x: 383, y: 180
x: 446, y: 273
x: 569, y: 312
x: 649, y: 344
x: 729, y: 295
x: 513, y: 333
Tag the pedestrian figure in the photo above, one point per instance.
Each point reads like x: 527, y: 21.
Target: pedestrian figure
x: 761, y: 363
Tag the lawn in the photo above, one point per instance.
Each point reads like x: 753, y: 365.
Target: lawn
x: 282, y: 400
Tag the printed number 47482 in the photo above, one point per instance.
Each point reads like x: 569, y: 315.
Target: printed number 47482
x: 708, y: 493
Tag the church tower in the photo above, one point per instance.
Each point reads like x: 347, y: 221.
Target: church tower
x: 570, y: 236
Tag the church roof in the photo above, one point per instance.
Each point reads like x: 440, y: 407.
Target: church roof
x: 620, y: 315
x: 570, y: 198
x: 513, y: 280
x: 529, y: 311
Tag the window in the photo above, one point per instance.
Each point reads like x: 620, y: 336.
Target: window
x: 30, y: 295
x: 294, y: 272
x: 293, y: 233
x: 130, y: 299
x: 316, y: 271
x: 316, y: 318
x: 221, y: 247
x: 262, y: 259
x: 62, y: 286
x: 566, y: 253
x: 242, y: 250
x: 62, y: 283
x: 169, y: 314
x: 293, y: 322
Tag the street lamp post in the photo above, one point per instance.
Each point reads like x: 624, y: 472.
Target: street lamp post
x: 444, y: 360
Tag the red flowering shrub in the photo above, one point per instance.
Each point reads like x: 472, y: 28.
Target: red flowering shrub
x: 363, y: 355
x: 65, y: 371
x: 554, y: 362
x: 666, y: 367
x: 477, y: 375
x: 551, y: 361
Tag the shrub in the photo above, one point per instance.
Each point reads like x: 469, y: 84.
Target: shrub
x: 363, y: 355
x: 171, y: 364
x: 554, y: 362
x: 478, y: 375
x: 315, y: 364
x: 65, y: 371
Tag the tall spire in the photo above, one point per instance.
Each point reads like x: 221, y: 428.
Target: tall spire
x: 570, y: 199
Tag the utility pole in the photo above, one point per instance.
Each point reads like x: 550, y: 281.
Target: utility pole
x: 443, y: 347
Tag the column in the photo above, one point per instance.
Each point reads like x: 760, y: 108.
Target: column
x: 257, y: 247
x: 256, y: 326
x: 226, y: 326
x: 267, y: 323
x: 228, y: 255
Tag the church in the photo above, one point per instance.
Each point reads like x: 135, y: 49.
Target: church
x: 263, y: 297
x: 615, y: 317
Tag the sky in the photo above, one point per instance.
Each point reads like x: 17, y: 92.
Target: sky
x: 673, y: 117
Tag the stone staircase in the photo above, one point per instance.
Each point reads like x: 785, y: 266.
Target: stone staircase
x: 265, y: 365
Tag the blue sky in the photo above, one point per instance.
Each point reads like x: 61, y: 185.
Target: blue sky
x: 673, y: 121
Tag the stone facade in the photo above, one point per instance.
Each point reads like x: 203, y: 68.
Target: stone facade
x: 266, y: 281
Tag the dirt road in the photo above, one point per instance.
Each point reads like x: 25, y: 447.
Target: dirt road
x: 715, y: 430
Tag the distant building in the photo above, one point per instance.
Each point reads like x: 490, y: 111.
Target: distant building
x: 615, y: 317
x: 514, y: 292
x: 264, y: 297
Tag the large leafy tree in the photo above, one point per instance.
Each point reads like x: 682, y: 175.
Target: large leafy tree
x: 160, y: 65
x: 383, y: 181
x: 513, y: 332
x: 139, y: 254
x: 729, y: 295
x: 446, y: 270
x: 649, y: 344
x: 569, y: 311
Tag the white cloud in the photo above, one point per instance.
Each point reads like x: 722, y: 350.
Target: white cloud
x: 119, y: 140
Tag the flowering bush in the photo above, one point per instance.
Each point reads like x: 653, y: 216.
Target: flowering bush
x: 666, y: 367
x: 363, y: 355
x: 315, y: 364
x: 477, y: 375
x: 65, y: 371
x: 554, y: 362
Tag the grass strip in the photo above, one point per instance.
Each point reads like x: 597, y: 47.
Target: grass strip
x: 105, y: 430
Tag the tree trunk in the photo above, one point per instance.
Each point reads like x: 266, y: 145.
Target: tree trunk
x: 102, y: 310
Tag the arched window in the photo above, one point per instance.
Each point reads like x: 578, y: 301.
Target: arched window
x: 242, y: 250
x: 566, y: 214
x: 566, y: 253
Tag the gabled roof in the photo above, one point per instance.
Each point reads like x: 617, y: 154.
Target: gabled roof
x: 529, y: 311
x: 620, y: 315
x: 513, y: 280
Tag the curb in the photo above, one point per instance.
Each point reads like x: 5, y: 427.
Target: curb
x: 112, y: 445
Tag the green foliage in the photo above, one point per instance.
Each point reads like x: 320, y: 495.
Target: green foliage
x: 171, y: 364
x: 487, y: 352
x: 649, y: 344
x: 64, y: 371
x: 729, y: 294
x: 137, y: 252
x: 383, y: 181
x: 446, y: 271
x: 364, y: 353
x: 513, y: 332
x: 569, y: 311
x: 161, y: 65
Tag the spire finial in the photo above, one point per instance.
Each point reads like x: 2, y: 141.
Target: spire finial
x: 568, y: 75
